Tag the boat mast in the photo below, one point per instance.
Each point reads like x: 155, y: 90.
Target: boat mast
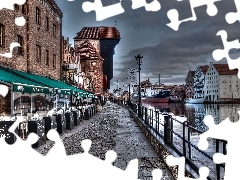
x: 159, y: 80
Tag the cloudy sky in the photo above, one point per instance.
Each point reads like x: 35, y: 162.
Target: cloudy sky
x: 165, y: 51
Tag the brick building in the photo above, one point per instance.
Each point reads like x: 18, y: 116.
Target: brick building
x: 40, y: 38
x: 103, y: 40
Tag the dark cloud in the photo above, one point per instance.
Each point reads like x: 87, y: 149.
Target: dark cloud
x: 165, y: 51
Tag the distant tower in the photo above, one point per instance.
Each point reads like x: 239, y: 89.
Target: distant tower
x: 103, y: 40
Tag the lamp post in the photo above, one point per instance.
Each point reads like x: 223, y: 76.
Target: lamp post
x: 139, y: 62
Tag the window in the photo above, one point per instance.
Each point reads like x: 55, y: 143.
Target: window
x: 20, y: 41
x: 38, y: 17
x: 54, y: 61
x: 2, y: 35
x: 16, y: 6
x: 38, y: 53
x: 24, y: 9
x: 54, y: 30
x: 47, y: 23
x: 47, y: 58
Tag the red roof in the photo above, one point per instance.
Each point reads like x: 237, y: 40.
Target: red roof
x: 86, y: 50
x: 98, y: 33
x: 223, y: 69
x: 204, y: 69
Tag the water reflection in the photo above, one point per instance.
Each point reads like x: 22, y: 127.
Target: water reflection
x: 195, y: 113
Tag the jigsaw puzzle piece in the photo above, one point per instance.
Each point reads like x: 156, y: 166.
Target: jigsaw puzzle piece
x: 220, y: 132
x: 219, y: 54
x: 12, y: 46
x: 9, y: 4
x: 180, y: 162
x: 3, y: 90
x: 20, y: 21
x: 153, y: 6
x: 232, y: 17
x: 58, y: 150
x: 173, y: 14
x: 102, y: 12
x: 157, y: 174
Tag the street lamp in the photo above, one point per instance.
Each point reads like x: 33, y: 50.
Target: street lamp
x: 139, y: 62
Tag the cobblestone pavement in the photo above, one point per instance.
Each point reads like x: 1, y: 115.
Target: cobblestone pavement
x: 114, y: 129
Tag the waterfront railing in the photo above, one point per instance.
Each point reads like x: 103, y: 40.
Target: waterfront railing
x: 182, y: 138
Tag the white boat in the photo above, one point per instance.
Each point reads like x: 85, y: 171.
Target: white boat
x: 194, y: 100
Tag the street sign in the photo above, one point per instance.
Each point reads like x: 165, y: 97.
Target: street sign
x: 132, y: 76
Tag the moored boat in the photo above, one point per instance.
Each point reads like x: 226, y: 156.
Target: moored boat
x: 161, y: 97
x: 194, y: 100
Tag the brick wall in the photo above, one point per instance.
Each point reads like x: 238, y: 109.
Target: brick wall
x: 33, y: 34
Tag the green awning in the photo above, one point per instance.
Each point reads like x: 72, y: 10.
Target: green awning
x: 31, y: 83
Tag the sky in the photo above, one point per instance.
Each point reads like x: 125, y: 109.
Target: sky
x: 165, y: 51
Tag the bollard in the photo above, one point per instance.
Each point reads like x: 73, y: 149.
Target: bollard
x: 69, y: 121
x: 167, y: 131
x: 146, y: 114
x: 86, y: 114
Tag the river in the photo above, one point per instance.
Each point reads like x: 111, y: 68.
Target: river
x: 195, y: 113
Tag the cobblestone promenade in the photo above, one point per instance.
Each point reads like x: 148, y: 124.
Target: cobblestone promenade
x: 114, y: 129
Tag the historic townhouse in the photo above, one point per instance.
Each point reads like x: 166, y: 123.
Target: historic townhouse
x: 199, y: 81
x: 102, y: 40
x: 190, y: 84
x: 222, y: 84
x: 40, y: 38
x: 70, y: 65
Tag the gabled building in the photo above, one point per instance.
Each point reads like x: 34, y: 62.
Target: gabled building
x: 199, y: 81
x: 104, y: 40
x: 91, y: 64
x: 189, y: 91
x: 222, y: 84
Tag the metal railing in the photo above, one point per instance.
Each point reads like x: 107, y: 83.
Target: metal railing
x: 179, y: 136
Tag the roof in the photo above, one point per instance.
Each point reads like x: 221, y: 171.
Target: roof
x: 204, y: 68
x: 192, y: 72
x: 223, y: 69
x: 31, y: 83
x: 101, y: 32
x: 87, y: 51
x: 55, y: 7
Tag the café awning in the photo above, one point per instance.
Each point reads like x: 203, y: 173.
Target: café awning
x: 31, y: 83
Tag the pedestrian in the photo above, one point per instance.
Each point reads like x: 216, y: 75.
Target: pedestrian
x: 99, y: 107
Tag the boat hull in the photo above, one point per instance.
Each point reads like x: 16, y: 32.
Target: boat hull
x: 155, y: 100
x: 194, y: 101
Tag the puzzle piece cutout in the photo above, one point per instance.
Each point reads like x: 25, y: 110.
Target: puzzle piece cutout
x: 21, y: 150
x: 180, y: 162
x: 19, y: 21
x: 219, y: 54
x: 153, y: 6
x: 9, y: 4
x: 12, y: 46
x: 220, y: 132
x: 3, y: 90
x: 102, y: 12
x: 232, y: 17
x: 173, y: 14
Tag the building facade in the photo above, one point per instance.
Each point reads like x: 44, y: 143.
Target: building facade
x: 199, y: 81
x: 91, y: 64
x: 40, y: 38
x: 190, y: 85
x: 222, y: 84
x: 103, y: 40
